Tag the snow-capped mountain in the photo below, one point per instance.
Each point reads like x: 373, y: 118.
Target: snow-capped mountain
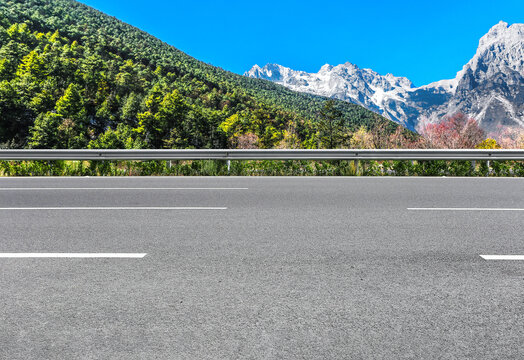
x: 490, y: 87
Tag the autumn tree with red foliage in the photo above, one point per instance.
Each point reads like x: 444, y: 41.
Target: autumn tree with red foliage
x: 453, y: 132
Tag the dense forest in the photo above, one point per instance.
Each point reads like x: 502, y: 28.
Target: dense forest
x: 73, y: 77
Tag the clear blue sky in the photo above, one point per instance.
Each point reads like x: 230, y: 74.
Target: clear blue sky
x: 422, y: 40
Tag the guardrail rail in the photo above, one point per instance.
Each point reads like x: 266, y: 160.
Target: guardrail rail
x: 271, y: 154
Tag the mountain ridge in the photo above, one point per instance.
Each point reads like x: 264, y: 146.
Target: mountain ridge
x: 499, y: 60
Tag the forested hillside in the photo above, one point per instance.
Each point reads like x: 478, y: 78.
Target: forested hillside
x: 73, y: 77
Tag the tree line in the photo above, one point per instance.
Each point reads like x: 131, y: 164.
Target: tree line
x: 72, y: 77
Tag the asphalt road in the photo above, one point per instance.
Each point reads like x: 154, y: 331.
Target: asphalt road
x: 262, y: 268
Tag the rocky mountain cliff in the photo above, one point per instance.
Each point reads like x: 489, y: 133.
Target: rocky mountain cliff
x: 489, y: 88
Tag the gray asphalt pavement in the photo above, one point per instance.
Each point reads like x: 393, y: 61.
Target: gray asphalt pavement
x: 273, y: 268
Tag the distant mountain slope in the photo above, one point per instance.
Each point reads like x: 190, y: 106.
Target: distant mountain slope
x: 490, y: 88
x: 344, y: 82
x: 68, y: 72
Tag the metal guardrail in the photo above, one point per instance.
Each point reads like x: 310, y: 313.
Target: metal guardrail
x: 273, y: 154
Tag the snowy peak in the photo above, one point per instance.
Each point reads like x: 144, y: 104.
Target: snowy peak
x: 502, y: 33
x: 273, y: 72
x: 501, y: 49
x: 326, y: 68
x: 347, y: 81
x: 490, y: 87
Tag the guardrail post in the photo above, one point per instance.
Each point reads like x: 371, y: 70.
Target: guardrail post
x: 355, y: 165
x: 228, y: 162
x: 473, y: 165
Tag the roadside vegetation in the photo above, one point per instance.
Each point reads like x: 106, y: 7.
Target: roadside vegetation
x: 261, y: 168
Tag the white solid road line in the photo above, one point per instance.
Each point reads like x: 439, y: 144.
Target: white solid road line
x: 464, y: 209
x: 115, y: 208
x: 502, y: 257
x: 112, y: 188
x: 72, y: 255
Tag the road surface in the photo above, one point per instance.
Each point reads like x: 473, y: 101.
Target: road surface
x: 261, y: 268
